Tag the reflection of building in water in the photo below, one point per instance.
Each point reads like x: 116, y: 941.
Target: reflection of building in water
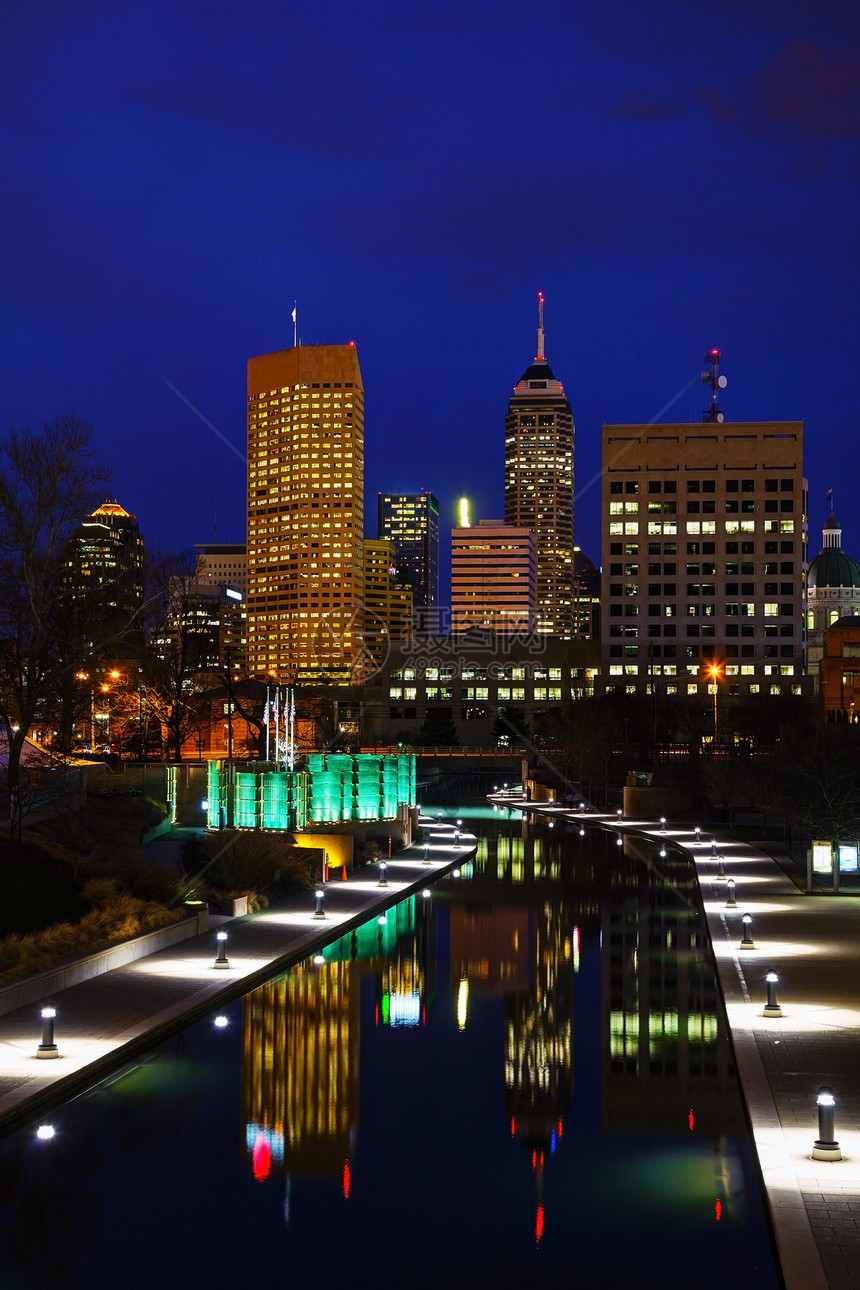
x: 406, y: 981
x: 539, y: 1038
x: 666, y: 1053
x: 300, y: 1070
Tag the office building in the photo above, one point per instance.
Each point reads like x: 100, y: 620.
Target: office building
x: 222, y: 565
x: 493, y: 578
x: 586, y: 598
x: 539, y: 440
x: 410, y: 521
x: 305, y: 513
x: 105, y: 572
x: 704, y: 550
x: 387, y: 606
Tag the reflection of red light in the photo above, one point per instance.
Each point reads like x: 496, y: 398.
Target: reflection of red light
x: 346, y: 1179
x: 376, y: 1015
x: 423, y: 1016
x: 718, y: 1209
x: 534, y: 1159
x: 690, y: 1119
x: 262, y: 1157
x: 560, y: 1126
x: 539, y: 1224
x: 513, y: 1125
x: 541, y: 1160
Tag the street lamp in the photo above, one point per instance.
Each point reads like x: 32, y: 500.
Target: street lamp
x: 714, y: 671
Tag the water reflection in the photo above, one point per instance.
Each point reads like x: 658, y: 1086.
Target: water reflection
x: 514, y: 1065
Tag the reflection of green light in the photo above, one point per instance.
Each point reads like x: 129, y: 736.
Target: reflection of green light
x: 386, y: 1004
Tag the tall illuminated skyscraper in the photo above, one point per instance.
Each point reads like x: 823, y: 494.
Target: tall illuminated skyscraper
x: 305, y: 512
x: 539, y: 439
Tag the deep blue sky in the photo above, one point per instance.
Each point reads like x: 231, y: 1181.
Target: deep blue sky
x: 672, y: 177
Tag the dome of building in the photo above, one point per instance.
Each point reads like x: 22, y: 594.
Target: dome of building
x: 832, y: 567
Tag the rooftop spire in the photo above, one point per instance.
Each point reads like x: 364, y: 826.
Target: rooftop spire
x: 540, y: 353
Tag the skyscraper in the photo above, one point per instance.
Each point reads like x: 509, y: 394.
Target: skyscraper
x: 105, y: 571
x: 539, y: 484
x: 410, y: 521
x: 305, y: 512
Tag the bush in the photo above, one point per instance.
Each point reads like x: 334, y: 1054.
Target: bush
x: 239, y: 862
x: 116, y: 918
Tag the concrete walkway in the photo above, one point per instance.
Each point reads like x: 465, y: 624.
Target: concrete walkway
x: 813, y: 944
x: 103, y: 1023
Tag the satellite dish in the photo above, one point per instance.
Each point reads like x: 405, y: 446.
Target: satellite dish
x: 722, y: 382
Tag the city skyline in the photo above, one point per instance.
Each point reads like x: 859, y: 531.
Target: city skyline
x: 169, y: 200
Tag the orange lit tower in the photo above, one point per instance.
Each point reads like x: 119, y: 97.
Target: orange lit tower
x: 305, y: 512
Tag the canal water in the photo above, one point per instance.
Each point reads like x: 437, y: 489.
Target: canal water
x: 525, y: 1076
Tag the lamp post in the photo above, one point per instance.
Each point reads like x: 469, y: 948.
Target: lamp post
x: 221, y: 960
x: 826, y: 1147
x: 383, y: 881
x: 319, y: 896
x: 48, y: 1047
x: 772, y: 1008
x: 731, y: 902
x: 714, y: 671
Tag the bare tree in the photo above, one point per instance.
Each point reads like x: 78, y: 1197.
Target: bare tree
x: 49, y: 479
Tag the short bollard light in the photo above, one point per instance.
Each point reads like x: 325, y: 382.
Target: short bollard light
x: 713, y: 846
x: 427, y: 853
x: 581, y: 806
x: 721, y: 869
x: 221, y: 960
x: 826, y: 1147
x: 457, y: 837
x: 731, y: 903
x: 772, y: 1008
x: 48, y: 1048
x: 383, y: 880
x: 698, y: 832
x: 620, y: 812
x: 319, y: 896
x: 747, y: 943
x: 662, y: 823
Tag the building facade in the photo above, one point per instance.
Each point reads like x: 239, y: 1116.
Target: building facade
x: 410, y: 521
x: 387, y: 606
x: 539, y: 471
x: 704, y: 554
x: 832, y: 591
x: 305, y: 513
x: 493, y: 578
x: 105, y: 571
x: 222, y: 564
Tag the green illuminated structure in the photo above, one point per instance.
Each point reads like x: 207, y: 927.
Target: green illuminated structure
x: 335, y: 787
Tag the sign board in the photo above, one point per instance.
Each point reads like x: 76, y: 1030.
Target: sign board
x: 822, y: 857
x: 848, y: 856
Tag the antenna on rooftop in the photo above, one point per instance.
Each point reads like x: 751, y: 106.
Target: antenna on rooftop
x: 711, y: 376
x: 540, y: 353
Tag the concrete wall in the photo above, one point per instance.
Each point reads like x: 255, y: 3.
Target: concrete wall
x: 31, y: 989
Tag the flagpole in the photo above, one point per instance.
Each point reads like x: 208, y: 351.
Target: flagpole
x: 295, y: 342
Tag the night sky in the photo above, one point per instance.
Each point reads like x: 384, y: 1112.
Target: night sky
x: 672, y: 176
